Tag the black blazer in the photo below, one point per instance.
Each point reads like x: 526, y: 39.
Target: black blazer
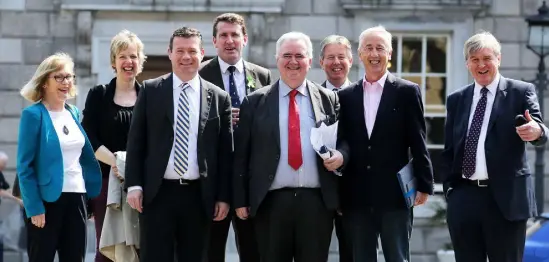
x: 257, y: 152
x: 151, y: 139
x: 371, y: 164
x: 211, y: 71
x: 508, y: 171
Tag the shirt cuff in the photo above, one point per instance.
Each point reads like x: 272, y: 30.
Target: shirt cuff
x: 132, y: 188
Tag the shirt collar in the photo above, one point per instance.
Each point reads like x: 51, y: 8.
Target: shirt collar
x: 332, y: 87
x: 381, y: 81
x: 285, y: 89
x: 492, y: 87
x: 224, y: 65
x: 194, y: 83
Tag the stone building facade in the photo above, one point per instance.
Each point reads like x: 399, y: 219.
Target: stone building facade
x: 428, y: 42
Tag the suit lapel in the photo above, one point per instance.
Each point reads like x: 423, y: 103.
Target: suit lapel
x: 167, y: 93
x: 205, y: 103
x: 324, y: 84
x: 386, y: 104
x: 215, y: 71
x: 465, y: 108
x: 273, y: 102
x: 250, y: 78
x: 501, y: 94
x: 314, y: 94
x: 358, y: 96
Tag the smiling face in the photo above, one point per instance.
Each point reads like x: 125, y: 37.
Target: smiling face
x: 336, y: 62
x: 229, y: 42
x: 126, y: 63
x: 375, y: 54
x: 186, y: 55
x: 483, y: 65
x: 293, y: 62
x: 59, y: 85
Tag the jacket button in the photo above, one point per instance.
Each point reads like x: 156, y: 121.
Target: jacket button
x: 369, y: 147
x: 368, y: 167
x: 271, y: 177
x: 277, y: 157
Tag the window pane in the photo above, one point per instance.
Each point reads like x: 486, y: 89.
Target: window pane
x: 435, y: 94
x: 436, y: 55
x: 411, y: 54
x: 393, y: 65
x: 436, y: 159
x: 435, y: 130
x: 415, y: 79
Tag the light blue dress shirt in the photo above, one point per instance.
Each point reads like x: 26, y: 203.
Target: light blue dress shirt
x: 307, y: 175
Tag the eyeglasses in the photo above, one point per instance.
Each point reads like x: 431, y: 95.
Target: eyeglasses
x: 60, y: 78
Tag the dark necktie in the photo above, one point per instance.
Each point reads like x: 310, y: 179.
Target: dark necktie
x: 295, y: 159
x: 235, y: 100
x: 471, y: 144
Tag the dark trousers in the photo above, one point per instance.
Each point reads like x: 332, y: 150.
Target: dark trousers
x: 64, y: 232
x: 345, y: 248
x: 99, y: 207
x: 479, y: 230
x: 174, y: 222
x: 244, y: 236
x: 394, y: 227
x: 294, y: 225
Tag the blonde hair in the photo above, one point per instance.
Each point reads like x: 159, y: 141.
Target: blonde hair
x: 480, y: 41
x: 121, y: 41
x: 33, y: 91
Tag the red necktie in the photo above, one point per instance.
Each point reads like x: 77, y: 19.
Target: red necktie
x: 295, y: 160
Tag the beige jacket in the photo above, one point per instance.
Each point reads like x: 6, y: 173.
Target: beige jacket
x: 120, y: 234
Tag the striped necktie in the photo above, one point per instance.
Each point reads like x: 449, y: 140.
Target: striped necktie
x: 182, y: 132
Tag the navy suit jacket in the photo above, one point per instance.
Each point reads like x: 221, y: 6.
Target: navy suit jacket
x: 508, y: 171
x: 371, y: 163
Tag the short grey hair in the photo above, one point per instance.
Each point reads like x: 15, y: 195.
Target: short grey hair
x: 336, y: 39
x: 295, y: 36
x: 480, y: 41
x: 387, y: 37
x: 3, y: 156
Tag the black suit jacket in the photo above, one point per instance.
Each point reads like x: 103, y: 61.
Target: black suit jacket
x: 151, y: 138
x: 508, y: 171
x: 211, y: 71
x: 257, y: 152
x: 371, y: 164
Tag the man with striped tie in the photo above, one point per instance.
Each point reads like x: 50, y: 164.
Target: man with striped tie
x: 179, y: 151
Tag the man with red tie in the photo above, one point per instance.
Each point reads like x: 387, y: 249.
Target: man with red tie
x: 278, y: 177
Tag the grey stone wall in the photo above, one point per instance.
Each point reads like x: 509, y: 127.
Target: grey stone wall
x: 32, y: 29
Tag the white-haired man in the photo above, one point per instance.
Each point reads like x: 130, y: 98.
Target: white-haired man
x: 487, y: 180
x: 278, y: 177
x: 381, y: 121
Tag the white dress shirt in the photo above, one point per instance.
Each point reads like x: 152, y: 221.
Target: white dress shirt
x: 71, y: 148
x: 481, y: 171
x: 193, y: 93
x: 372, y: 97
x: 332, y: 87
x: 239, y: 77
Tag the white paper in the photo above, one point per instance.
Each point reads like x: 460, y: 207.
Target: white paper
x: 325, y: 136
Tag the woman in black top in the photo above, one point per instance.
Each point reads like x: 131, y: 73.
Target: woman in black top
x: 108, y: 113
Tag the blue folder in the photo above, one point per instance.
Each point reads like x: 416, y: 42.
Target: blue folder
x: 407, y: 182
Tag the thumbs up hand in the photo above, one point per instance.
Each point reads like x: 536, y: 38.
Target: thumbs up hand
x: 531, y: 130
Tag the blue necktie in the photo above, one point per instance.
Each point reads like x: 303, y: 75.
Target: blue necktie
x: 235, y: 100
x: 182, y: 132
x: 471, y: 144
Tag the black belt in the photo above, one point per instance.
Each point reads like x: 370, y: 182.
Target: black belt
x: 181, y: 181
x: 477, y: 183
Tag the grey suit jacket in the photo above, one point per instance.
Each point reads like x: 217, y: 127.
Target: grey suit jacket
x: 257, y: 145
x: 256, y: 76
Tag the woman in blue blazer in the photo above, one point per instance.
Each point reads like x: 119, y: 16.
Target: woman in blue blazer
x: 56, y: 165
